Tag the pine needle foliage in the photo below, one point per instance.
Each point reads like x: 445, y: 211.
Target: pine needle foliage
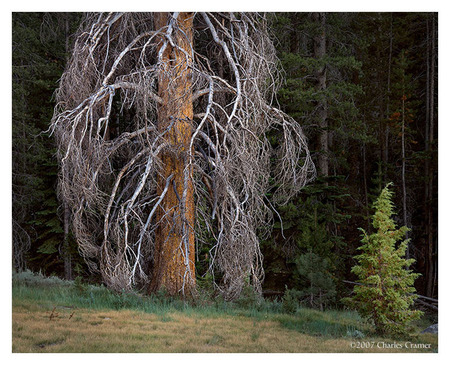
x: 314, y: 270
x: 385, y: 295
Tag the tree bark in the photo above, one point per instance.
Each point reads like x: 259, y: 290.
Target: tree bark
x: 388, y: 94
x: 405, y: 212
x: 174, y: 266
x: 66, y: 246
x: 67, y: 255
x: 430, y: 238
x: 366, y: 193
x: 294, y: 39
x: 321, y: 76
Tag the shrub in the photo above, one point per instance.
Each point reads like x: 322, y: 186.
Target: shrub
x: 79, y: 287
x: 248, y: 298
x: 30, y: 278
x: 290, y: 301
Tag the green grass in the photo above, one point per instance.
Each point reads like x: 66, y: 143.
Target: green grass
x: 319, y: 323
x: 49, y: 292
x: 87, y: 318
x: 37, y: 289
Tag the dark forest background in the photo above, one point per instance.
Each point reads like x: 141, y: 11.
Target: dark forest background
x: 362, y: 85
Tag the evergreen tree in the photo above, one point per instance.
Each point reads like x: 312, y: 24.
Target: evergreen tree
x: 38, y: 59
x: 320, y: 92
x: 385, y: 294
x: 319, y: 288
x: 308, y: 239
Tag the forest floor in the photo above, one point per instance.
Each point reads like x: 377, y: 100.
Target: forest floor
x: 56, y: 318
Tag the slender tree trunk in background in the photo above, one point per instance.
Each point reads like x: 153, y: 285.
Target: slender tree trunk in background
x: 427, y: 134
x: 67, y: 255
x: 66, y: 247
x: 294, y: 41
x: 430, y: 238
x: 174, y: 268
x: 387, y: 129
x: 405, y: 216
x: 380, y: 105
x: 321, y: 76
x: 427, y: 198
x: 366, y: 193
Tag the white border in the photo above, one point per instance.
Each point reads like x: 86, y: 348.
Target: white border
x: 241, y: 5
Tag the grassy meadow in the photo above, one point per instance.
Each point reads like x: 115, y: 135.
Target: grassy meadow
x: 53, y: 315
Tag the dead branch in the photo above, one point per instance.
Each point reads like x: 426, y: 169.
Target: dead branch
x: 110, y: 143
x: 53, y: 314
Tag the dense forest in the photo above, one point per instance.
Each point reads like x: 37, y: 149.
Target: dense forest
x: 363, y: 89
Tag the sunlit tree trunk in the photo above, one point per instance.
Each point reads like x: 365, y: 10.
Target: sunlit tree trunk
x: 175, y: 242
x: 135, y: 190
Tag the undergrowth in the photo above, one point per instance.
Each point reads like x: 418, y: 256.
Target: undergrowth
x: 50, y: 292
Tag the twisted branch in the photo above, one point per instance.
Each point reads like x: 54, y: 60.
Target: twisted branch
x: 110, y: 143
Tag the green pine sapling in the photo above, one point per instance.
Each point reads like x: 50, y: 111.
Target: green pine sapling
x: 386, y: 292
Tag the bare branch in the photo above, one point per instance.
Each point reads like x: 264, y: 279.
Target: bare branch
x: 111, y: 142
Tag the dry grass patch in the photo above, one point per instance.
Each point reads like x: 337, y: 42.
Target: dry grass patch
x: 89, y: 331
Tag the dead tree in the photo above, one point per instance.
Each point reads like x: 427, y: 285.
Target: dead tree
x: 162, y: 125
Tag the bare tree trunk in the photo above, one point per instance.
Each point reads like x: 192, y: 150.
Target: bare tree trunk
x: 366, y: 193
x: 405, y: 216
x: 387, y: 129
x: 381, y: 104
x: 294, y: 37
x: 175, y: 242
x: 430, y: 238
x: 427, y: 136
x: 66, y: 249
x: 67, y: 255
x: 321, y: 75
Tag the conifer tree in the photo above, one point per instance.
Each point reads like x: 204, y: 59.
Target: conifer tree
x: 38, y: 59
x: 385, y: 294
x: 314, y: 271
